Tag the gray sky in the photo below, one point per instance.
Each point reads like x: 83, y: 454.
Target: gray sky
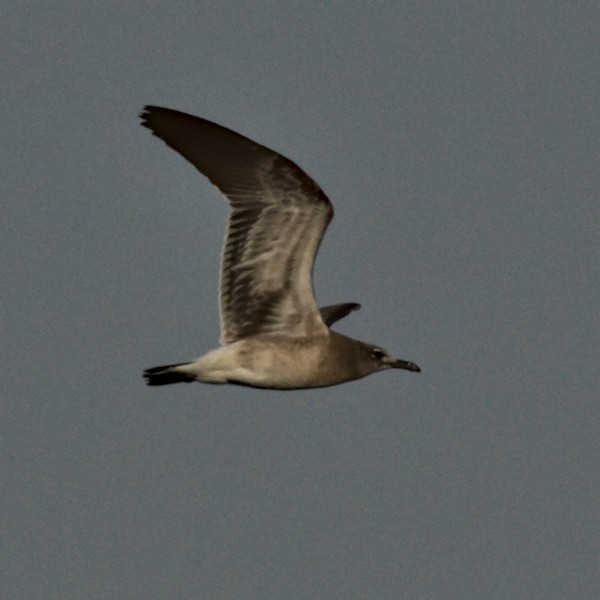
x: 458, y: 143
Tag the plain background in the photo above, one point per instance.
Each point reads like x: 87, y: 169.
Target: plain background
x: 458, y: 142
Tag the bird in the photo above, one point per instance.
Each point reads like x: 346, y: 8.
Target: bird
x: 273, y: 335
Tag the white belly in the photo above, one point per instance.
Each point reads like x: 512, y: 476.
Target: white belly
x: 261, y: 363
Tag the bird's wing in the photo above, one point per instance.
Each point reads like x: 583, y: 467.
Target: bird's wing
x: 279, y: 215
x: 335, y: 312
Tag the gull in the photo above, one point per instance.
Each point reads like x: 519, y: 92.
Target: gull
x: 273, y: 335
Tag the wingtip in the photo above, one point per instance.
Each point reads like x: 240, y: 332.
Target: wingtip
x: 145, y: 114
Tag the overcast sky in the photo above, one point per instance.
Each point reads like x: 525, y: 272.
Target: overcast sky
x: 458, y: 143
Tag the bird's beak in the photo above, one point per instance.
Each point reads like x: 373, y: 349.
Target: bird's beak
x: 398, y: 363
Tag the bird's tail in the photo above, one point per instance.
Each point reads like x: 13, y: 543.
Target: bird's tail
x: 167, y: 374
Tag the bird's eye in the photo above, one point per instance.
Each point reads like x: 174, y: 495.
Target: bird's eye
x: 377, y: 354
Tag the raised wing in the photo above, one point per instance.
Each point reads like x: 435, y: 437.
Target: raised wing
x: 335, y: 312
x: 278, y: 219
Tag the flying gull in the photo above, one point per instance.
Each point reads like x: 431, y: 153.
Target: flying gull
x: 273, y: 335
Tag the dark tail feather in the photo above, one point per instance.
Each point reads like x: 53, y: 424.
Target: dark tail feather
x: 166, y: 374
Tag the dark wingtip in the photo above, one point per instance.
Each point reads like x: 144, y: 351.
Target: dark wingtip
x: 145, y: 115
x: 335, y: 312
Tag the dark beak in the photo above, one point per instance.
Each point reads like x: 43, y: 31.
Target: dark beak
x: 398, y: 363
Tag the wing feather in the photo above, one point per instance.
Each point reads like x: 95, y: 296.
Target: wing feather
x: 279, y: 216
